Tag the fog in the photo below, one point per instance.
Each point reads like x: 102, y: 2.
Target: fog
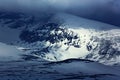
x: 102, y: 10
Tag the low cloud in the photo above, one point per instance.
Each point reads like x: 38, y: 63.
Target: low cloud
x: 102, y: 10
x: 60, y: 5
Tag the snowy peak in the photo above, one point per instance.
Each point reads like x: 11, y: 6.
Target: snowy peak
x: 63, y: 36
x: 58, y: 43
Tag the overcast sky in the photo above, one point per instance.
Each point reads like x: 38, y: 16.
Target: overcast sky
x: 103, y: 10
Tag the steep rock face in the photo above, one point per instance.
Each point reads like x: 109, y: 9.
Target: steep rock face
x: 49, y: 32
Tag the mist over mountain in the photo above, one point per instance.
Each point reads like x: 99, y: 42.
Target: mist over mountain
x: 107, y: 11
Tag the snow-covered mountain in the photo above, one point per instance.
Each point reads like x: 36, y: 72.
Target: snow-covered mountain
x: 61, y: 36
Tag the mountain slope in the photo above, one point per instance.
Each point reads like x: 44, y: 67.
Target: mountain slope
x: 64, y: 36
x: 62, y: 39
